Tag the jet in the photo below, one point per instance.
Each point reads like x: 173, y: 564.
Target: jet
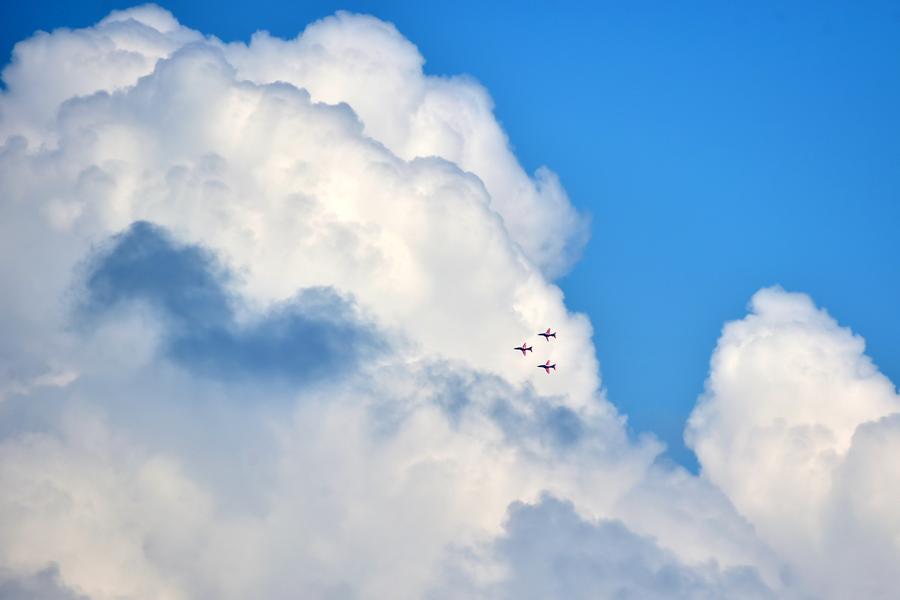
x: 547, y: 366
x: 547, y: 334
x: 523, y: 348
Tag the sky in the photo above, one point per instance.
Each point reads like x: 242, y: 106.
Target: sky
x: 717, y: 148
x: 262, y: 291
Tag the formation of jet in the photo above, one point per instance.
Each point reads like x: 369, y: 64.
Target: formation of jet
x: 523, y: 348
x: 526, y: 348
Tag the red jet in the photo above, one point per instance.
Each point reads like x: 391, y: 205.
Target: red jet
x: 547, y: 366
x: 523, y: 348
x: 547, y: 334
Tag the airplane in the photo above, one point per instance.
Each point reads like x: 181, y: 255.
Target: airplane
x: 547, y: 366
x: 547, y: 335
x: 523, y: 348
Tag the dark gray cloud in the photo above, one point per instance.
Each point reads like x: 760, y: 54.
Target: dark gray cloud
x: 555, y: 426
x: 551, y: 552
x: 457, y: 390
x: 43, y: 585
x: 315, y: 334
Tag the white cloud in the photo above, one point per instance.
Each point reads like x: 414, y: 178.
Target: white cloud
x: 49, y: 69
x: 785, y: 429
x: 136, y: 468
x: 292, y: 194
x: 371, y: 66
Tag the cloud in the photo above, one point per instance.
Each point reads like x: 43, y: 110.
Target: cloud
x: 315, y: 334
x: 548, y: 551
x: 258, y: 315
x: 290, y: 194
x: 790, y: 406
x: 346, y: 58
x: 44, y: 585
x: 371, y: 66
x: 143, y: 264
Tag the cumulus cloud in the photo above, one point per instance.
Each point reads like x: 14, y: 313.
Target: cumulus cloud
x: 792, y: 406
x: 548, y: 551
x: 259, y: 302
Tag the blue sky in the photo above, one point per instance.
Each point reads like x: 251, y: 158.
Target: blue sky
x: 718, y: 148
